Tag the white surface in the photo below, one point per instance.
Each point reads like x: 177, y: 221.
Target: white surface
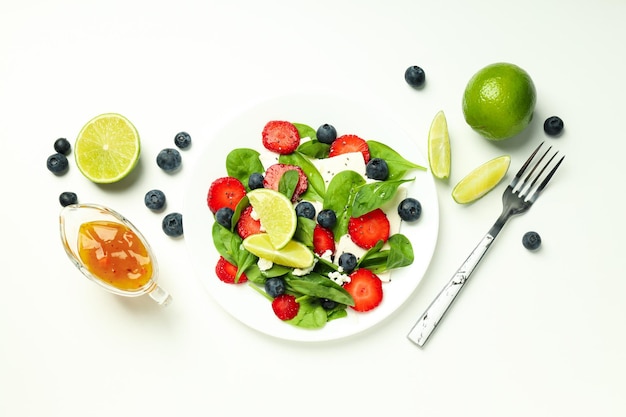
x: 533, y: 334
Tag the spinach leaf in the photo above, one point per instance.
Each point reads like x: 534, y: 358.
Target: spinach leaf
x: 241, y: 163
x: 305, y: 131
x: 316, y: 189
x: 288, y: 183
x: 243, y: 203
x: 373, y: 195
x: 340, y: 196
x: 399, y: 254
x: 276, y: 271
x: 314, y: 149
x: 398, y: 165
x: 319, y: 286
x: 228, y: 245
x: 311, y: 314
x: 304, y: 231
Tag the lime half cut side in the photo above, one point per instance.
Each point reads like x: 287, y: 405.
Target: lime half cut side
x: 276, y: 213
x: 294, y: 254
x: 107, y: 148
x: 439, y: 147
x: 481, y: 180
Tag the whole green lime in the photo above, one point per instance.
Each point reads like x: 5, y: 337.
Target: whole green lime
x: 499, y: 101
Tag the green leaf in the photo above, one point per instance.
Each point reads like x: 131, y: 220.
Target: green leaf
x: 241, y: 163
x: 400, y: 252
x: 398, y: 165
x: 373, y: 195
x: 319, y: 286
x: 311, y: 314
x: 288, y: 183
x: 305, y: 131
x: 314, y: 149
x: 340, y: 196
x: 304, y: 231
x: 316, y: 189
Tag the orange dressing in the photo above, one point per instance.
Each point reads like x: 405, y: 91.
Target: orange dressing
x: 115, y: 254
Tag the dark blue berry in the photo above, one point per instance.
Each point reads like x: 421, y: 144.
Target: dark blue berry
x: 377, y: 169
x: 553, y: 126
x: 173, y: 224
x: 326, y: 133
x: 182, y: 140
x: 305, y: 209
x: 409, y: 209
x: 328, y: 304
x: 169, y: 159
x: 154, y: 199
x: 275, y: 286
x: 67, y: 197
x: 224, y: 217
x: 255, y: 181
x: 327, y: 218
x: 347, y: 261
x: 62, y: 145
x: 57, y: 163
x: 531, y: 240
x: 415, y: 76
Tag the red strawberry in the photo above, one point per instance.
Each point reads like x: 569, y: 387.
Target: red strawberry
x: 285, y: 306
x: 349, y: 143
x: 365, y: 288
x: 246, y: 225
x: 276, y: 171
x: 368, y: 229
x: 280, y: 137
x: 225, y: 192
x: 323, y: 240
x: 227, y: 272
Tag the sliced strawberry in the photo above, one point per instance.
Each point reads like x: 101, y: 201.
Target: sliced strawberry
x: 366, y: 289
x: 246, y: 225
x: 323, y: 240
x: 349, y: 143
x: 280, y: 137
x: 368, y: 229
x: 225, y: 192
x: 285, y: 306
x: 227, y: 272
x: 274, y: 173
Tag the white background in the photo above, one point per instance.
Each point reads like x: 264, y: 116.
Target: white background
x: 539, y: 334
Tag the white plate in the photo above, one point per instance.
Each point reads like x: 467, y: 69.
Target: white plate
x: 313, y: 109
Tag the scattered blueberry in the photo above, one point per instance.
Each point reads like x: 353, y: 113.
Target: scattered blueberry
x: 182, y: 140
x: 347, y: 261
x: 415, y: 76
x: 275, y: 286
x: 326, y: 133
x: 377, y: 169
x: 328, y: 304
x: 553, y: 125
x: 169, y: 159
x: 173, y: 224
x: 255, y: 180
x: 154, y: 199
x: 531, y: 240
x: 409, y: 209
x: 67, y: 197
x: 327, y: 218
x: 224, y: 217
x: 57, y: 163
x: 62, y: 145
x: 305, y: 209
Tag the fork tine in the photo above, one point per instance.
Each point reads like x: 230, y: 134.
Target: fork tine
x: 523, y: 168
x: 546, y: 180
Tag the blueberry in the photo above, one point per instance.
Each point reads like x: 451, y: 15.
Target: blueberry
x: 57, y: 163
x: 182, y: 140
x: 409, y: 209
x: 169, y: 159
x: 377, y: 169
x: 154, y: 199
x: 347, y: 261
x: 173, y: 224
x: 326, y: 133
x: 305, y: 209
x: 62, y: 145
x: 327, y: 218
x: 328, y: 304
x: 275, y: 286
x: 67, y: 197
x: 415, y: 76
x: 531, y: 240
x: 255, y: 180
x: 224, y: 217
x: 553, y: 125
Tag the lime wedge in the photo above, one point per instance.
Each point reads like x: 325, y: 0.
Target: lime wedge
x: 481, y: 180
x: 107, y: 148
x: 439, y: 147
x: 294, y: 254
x: 276, y: 213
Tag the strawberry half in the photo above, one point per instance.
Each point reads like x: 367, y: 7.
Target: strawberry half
x: 225, y: 192
x: 349, y: 143
x: 366, y: 289
x: 274, y: 173
x: 246, y: 225
x: 280, y: 137
x: 368, y: 229
x: 285, y: 306
x: 323, y: 240
x: 227, y: 272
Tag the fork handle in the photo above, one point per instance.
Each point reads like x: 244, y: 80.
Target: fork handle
x: 427, y: 323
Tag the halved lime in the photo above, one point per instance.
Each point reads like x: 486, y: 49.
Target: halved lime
x: 294, y: 254
x: 481, y: 180
x: 276, y: 213
x: 439, y: 147
x: 107, y: 148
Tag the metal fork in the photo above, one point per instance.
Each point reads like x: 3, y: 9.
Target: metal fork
x: 516, y: 199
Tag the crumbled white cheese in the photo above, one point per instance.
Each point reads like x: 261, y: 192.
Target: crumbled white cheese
x: 339, y: 278
x: 301, y: 272
x: 264, y: 264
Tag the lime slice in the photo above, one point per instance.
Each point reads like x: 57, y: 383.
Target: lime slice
x: 294, y: 254
x: 107, y: 148
x: 276, y: 213
x: 439, y: 147
x: 481, y: 180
